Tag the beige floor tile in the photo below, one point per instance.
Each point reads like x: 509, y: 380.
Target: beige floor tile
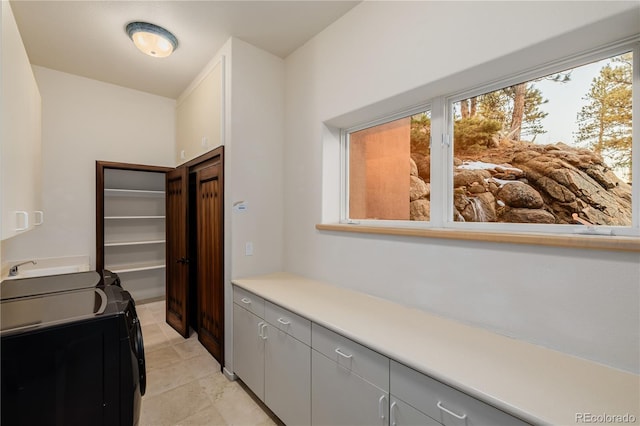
x: 213, y: 385
x: 169, y: 408
x: 160, y: 380
x: 184, y: 382
x: 203, y: 365
x: 172, y: 336
x: 238, y: 408
x: 146, y: 317
x: 207, y: 417
x: 190, y: 348
x: 162, y: 357
x: 153, y: 337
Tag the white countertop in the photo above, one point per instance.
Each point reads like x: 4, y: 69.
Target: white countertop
x: 534, y: 383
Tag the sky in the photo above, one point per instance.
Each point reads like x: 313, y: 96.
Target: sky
x: 565, y: 101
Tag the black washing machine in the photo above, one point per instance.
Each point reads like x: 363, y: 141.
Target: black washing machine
x: 72, y: 352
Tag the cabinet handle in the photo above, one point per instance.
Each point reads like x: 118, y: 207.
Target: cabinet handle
x: 25, y: 216
x: 457, y: 416
x: 284, y: 321
x: 264, y: 331
x: 39, y: 213
x: 245, y: 300
x: 342, y: 354
x: 392, y: 413
x: 260, y: 328
x: 381, y: 406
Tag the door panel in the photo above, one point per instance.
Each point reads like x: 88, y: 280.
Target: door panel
x: 177, y: 255
x: 287, y: 376
x: 248, y: 349
x: 210, y: 263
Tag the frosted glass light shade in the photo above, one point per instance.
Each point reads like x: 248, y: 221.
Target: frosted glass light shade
x: 151, y: 39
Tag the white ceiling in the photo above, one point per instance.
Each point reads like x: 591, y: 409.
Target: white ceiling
x: 87, y: 38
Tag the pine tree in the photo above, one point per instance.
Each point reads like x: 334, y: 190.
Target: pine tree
x: 517, y: 108
x: 604, y: 124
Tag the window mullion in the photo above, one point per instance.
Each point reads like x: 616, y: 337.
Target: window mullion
x: 440, y: 154
x: 635, y: 135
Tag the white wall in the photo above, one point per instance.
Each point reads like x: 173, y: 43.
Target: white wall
x: 253, y: 169
x: 383, y: 56
x: 83, y: 121
x: 255, y: 158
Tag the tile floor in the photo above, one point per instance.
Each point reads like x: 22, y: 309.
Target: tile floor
x: 184, y: 382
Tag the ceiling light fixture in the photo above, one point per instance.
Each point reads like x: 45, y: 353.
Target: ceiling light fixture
x: 151, y: 39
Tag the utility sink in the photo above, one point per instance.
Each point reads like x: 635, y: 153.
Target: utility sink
x: 52, y: 270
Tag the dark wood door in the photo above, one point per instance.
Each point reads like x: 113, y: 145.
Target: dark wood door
x: 210, y: 259
x: 177, y: 297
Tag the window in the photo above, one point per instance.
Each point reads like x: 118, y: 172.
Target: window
x: 548, y: 151
x: 389, y: 169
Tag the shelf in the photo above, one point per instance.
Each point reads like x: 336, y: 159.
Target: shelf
x: 133, y: 243
x: 133, y: 217
x: 113, y: 192
x: 118, y: 269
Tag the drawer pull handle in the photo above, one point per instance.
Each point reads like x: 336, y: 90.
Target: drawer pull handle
x: 245, y: 300
x: 392, y: 413
x: 457, y: 416
x: 284, y: 321
x: 342, y: 354
x: 381, y: 406
x: 264, y: 331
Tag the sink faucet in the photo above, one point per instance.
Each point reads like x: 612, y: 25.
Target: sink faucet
x: 14, y: 269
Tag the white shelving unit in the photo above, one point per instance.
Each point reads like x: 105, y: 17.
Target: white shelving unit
x: 134, y: 230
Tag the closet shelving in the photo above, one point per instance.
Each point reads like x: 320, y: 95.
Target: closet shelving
x: 131, y: 220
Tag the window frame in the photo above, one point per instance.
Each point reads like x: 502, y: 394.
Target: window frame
x: 441, y: 150
x: 344, y: 168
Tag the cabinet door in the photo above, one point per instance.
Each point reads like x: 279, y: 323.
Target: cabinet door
x: 341, y: 397
x: 287, y: 382
x: 248, y: 349
x: 402, y: 414
x: 177, y: 268
x: 20, y: 115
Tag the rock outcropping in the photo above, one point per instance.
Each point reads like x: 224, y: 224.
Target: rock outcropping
x: 528, y: 183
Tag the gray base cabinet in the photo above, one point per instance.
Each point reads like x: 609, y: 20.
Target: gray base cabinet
x: 272, y: 356
x: 287, y: 379
x: 248, y: 350
x: 308, y: 374
x: 342, y: 398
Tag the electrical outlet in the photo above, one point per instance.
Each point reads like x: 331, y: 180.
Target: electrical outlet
x: 248, y: 249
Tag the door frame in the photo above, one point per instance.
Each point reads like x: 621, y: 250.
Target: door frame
x: 100, y: 168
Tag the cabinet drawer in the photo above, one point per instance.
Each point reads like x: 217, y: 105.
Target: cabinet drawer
x: 249, y: 301
x: 362, y: 361
x: 292, y: 324
x: 443, y: 403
